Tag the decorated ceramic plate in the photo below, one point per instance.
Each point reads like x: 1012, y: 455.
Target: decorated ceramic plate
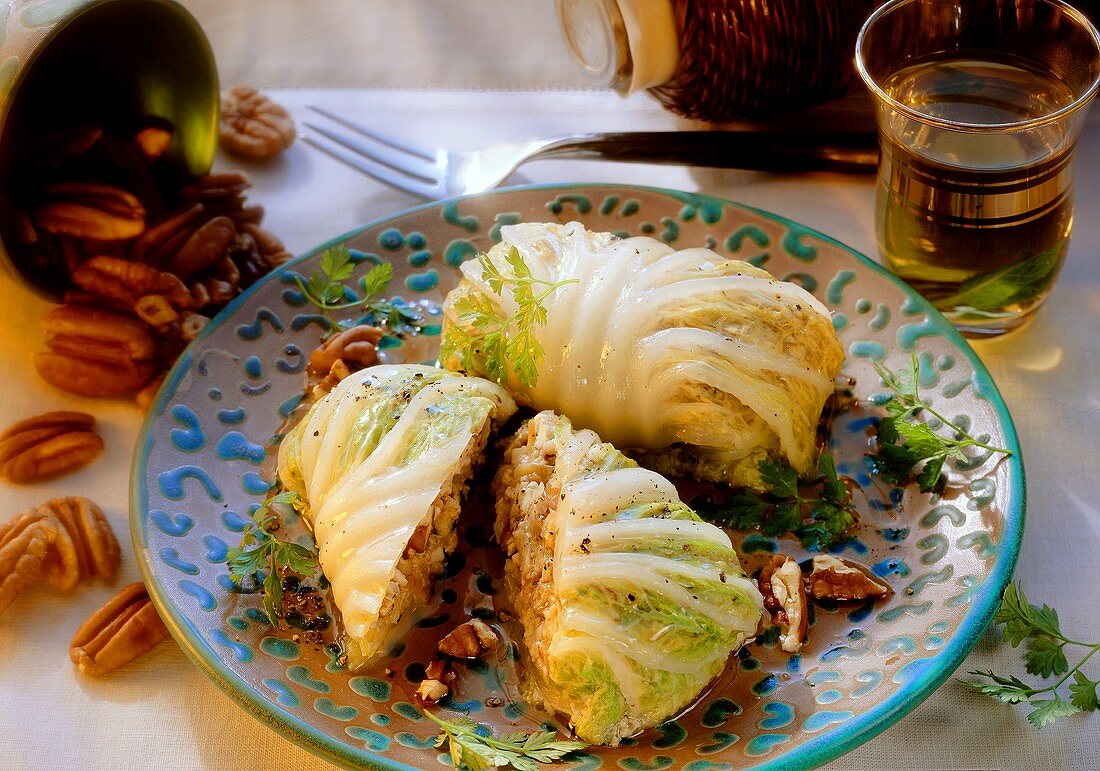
x: 204, y: 463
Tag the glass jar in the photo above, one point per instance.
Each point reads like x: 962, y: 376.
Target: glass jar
x: 718, y: 60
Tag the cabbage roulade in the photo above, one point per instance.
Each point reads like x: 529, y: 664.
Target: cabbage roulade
x: 380, y: 464
x: 630, y: 604
x: 705, y: 365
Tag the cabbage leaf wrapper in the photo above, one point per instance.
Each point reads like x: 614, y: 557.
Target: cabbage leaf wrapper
x: 630, y: 604
x: 695, y: 364
x: 381, y: 463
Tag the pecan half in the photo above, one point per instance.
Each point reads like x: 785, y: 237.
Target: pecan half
x: 47, y: 445
x: 97, y: 551
x: 217, y: 189
x: 253, y: 126
x: 159, y: 243
x: 843, y: 581
x: 122, y: 630
x: 336, y: 373
x: 91, y: 210
x: 126, y: 282
x: 23, y: 547
x: 471, y: 640
x: 95, y: 352
x: 354, y: 346
x: 205, y: 247
x: 784, y: 594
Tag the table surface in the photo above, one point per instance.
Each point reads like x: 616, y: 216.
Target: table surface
x: 1049, y: 373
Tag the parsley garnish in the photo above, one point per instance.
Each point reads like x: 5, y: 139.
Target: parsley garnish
x: 904, y: 442
x: 818, y: 522
x: 1039, y: 628
x: 262, y: 553
x: 506, y: 344
x: 473, y: 746
x: 325, y: 289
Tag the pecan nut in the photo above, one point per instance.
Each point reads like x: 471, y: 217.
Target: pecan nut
x: 122, y: 630
x: 336, y: 373
x: 205, y: 247
x: 784, y: 594
x: 840, y: 580
x: 48, y: 445
x: 23, y: 547
x: 354, y: 346
x: 91, y: 210
x: 125, y: 282
x: 471, y: 640
x: 159, y: 243
x: 95, y: 352
x: 253, y: 126
x: 269, y: 246
x: 96, y: 548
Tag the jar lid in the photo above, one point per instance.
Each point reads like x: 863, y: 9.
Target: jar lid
x: 626, y: 44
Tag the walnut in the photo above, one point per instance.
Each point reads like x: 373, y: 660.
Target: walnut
x: 122, y: 630
x: 253, y: 126
x: 23, y: 547
x: 91, y: 210
x: 126, y: 282
x: 784, y: 594
x: 95, y: 352
x: 47, y: 445
x: 431, y: 691
x: 471, y: 640
x: 203, y: 249
x: 337, y: 372
x: 843, y: 581
x: 354, y: 346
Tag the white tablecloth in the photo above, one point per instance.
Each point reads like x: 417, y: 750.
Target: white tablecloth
x: 162, y: 712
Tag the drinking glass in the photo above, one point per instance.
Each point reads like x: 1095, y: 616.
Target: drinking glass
x: 979, y: 105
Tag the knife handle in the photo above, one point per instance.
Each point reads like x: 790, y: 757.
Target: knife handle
x: 850, y: 152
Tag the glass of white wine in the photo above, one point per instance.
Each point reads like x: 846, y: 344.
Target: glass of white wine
x: 979, y: 106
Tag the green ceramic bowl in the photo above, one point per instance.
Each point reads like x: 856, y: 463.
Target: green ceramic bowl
x: 107, y: 63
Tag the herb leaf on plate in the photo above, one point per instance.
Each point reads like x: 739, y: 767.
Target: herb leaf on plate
x: 261, y: 552
x: 818, y: 521
x: 475, y: 747
x: 1038, y: 629
x: 906, y: 442
x: 325, y: 288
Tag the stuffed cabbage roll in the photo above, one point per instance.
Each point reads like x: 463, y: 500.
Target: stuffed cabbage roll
x: 629, y: 603
x: 381, y: 463
x: 703, y: 364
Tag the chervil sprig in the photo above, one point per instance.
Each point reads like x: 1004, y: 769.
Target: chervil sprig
x: 326, y: 289
x: 1039, y: 630
x: 818, y: 522
x: 906, y: 442
x: 474, y: 747
x: 506, y: 343
x: 262, y: 553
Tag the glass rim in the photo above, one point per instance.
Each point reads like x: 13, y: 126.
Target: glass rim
x: 961, y: 126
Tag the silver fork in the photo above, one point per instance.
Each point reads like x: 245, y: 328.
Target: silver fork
x: 439, y: 173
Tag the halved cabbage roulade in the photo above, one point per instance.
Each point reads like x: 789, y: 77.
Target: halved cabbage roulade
x: 381, y: 463
x: 708, y: 365
x: 630, y: 604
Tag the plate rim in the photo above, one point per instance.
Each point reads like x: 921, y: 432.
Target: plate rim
x: 827, y: 746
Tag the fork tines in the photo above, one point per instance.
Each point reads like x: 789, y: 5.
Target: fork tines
x: 389, y: 160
